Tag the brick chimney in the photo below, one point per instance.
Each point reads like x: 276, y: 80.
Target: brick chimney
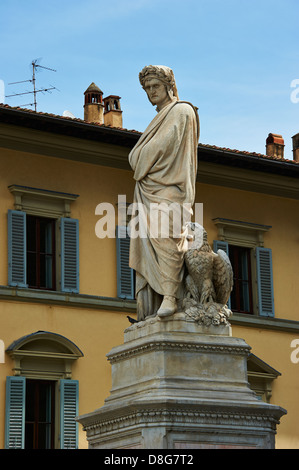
x: 93, y: 104
x: 275, y: 146
x: 296, y: 147
x: 112, y: 112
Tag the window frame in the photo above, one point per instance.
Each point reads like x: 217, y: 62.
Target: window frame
x: 67, y: 256
x: 65, y: 435
x: 235, y: 262
x: 36, y: 421
x: 52, y: 205
x: 32, y: 360
x: 249, y: 235
x: 38, y: 252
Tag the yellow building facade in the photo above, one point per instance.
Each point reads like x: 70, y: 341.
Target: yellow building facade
x: 62, y: 307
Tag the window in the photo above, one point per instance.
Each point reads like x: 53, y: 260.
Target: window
x: 30, y: 422
x: 32, y: 255
x: 241, y: 296
x: 42, y: 400
x: 40, y: 414
x: 41, y: 266
x: 43, y: 240
x: 253, y: 291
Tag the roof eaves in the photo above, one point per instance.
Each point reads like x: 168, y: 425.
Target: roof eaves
x: 128, y: 137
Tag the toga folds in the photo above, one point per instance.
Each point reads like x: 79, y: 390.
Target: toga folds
x: 164, y: 162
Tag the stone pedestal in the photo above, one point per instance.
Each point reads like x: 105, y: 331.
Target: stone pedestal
x: 180, y: 385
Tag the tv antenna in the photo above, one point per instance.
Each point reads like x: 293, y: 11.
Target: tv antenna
x: 35, y: 66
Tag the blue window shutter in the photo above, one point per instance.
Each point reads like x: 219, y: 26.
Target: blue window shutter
x: 69, y: 409
x: 17, y: 248
x: 69, y: 255
x: 15, y: 413
x: 125, y: 274
x: 221, y: 245
x: 265, y: 282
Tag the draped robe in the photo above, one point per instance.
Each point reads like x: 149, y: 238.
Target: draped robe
x: 164, y: 162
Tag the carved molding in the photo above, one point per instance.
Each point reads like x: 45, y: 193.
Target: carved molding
x: 179, y: 416
x: 179, y: 346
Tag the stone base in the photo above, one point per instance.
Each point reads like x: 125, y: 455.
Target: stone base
x: 178, y: 385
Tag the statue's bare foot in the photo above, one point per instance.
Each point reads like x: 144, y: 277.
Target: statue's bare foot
x: 168, y: 306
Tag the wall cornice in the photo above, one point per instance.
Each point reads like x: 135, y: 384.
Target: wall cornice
x: 248, y: 180
x: 232, y: 171
x: 63, y: 146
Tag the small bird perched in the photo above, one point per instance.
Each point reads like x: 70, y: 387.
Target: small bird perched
x: 210, y: 275
x: 131, y: 320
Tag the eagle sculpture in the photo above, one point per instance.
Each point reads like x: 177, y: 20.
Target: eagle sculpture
x: 210, y: 276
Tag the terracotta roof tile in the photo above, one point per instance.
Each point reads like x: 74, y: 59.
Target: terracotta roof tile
x: 244, y: 152
x: 65, y: 118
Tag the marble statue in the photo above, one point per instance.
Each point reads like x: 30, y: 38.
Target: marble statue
x: 208, y: 281
x: 164, y: 162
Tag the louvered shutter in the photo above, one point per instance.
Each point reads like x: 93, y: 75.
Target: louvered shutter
x: 15, y: 413
x: 17, y: 248
x: 125, y: 274
x: 221, y: 245
x: 265, y: 282
x: 69, y: 409
x: 69, y: 255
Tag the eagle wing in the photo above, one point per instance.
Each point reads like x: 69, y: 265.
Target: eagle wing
x: 222, y: 277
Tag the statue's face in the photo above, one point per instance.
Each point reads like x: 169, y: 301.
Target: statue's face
x: 157, y: 92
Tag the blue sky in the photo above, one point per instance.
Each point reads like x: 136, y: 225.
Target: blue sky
x: 234, y: 59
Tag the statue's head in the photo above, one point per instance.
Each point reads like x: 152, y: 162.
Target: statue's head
x: 159, y: 83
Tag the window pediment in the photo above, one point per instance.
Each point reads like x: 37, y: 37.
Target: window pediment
x: 260, y: 377
x: 43, y: 355
x: 42, y: 202
x: 237, y: 232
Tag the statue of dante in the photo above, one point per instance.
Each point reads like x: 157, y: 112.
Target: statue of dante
x: 164, y: 162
